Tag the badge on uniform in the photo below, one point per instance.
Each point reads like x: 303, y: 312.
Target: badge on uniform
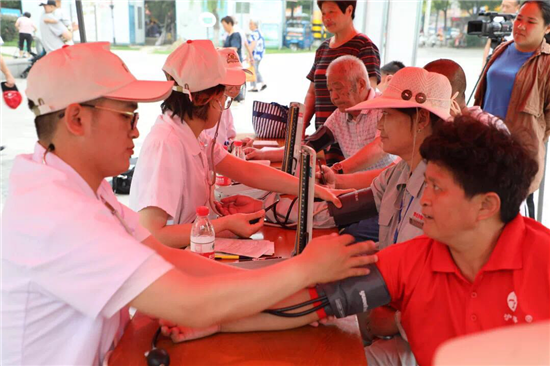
x: 12, y: 97
x: 416, y: 223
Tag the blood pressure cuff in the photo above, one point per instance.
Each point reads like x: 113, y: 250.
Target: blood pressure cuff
x: 355, y: 295
x: 356, y: 206
x: 321, y: 139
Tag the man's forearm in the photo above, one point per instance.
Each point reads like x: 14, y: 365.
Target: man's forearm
x: 257, y: 175
x: 189, y: 263
x: 264, y: 322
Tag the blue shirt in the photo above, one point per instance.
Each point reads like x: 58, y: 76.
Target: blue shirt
x: 258, y: 52
x: 500, y: 80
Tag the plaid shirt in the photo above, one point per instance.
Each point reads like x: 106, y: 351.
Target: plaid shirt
x: 352, y: 135
x: 359, y: 46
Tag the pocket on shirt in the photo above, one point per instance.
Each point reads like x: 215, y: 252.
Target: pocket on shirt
x: 384, y: 217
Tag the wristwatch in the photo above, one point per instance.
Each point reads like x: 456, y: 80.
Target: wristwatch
x: 337, y: 168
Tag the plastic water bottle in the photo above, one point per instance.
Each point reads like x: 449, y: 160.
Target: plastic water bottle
x: 202, y: 234
x: 238, y: 150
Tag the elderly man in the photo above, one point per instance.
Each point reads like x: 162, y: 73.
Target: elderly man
x: 348, y: 84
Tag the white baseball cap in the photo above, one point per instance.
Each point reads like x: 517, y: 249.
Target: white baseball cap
x: 235, y: 70
x: 196, y: 66
x: 414, y: 87
x: 84, y: 72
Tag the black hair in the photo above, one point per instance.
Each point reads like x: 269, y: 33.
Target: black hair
x: 229, y: 20
x: 180, y: 105
x: 46, y: 124
x: 452, y: 71
x: 392, y: 67
x: 27, y: 14
x: 544, y: 7
x: 435, y: 120
x: 343, y: 5
x: 482, y: 159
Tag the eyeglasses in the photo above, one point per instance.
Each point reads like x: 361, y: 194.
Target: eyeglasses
x: 133, y: 115
x: 227, y: 103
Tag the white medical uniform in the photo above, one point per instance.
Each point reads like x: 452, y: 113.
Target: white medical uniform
x: 69, y: 267
x: 227, y: 131
x: 172, y: 170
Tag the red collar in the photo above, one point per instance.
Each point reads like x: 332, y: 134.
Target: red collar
x: 507, y: 254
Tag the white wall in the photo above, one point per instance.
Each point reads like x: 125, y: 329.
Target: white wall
x: 139, y: 14
x: 187, y: 20
x: 98, y: 19
x: 393, y: 25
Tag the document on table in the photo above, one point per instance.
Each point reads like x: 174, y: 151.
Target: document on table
x: 265, y: 143
x: 245, y: 247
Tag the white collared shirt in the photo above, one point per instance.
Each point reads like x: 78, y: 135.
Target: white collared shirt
x: 172, y: 170
x: 68, y: 265
x: 397, y: 198
x: 354, y: 134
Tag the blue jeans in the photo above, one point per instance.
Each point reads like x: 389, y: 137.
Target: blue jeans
x: 364, y: 230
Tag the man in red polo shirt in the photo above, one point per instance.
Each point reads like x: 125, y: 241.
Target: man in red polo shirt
x: 481, y: 265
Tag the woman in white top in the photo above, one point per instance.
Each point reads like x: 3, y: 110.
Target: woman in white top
x: 26, y: 29
x: 174, y: 174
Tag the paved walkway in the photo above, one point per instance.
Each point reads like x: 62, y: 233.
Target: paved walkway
x: 285, y: 75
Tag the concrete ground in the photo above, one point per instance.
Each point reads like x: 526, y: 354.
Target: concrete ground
x: 285, y: 75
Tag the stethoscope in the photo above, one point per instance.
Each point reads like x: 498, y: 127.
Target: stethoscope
x: 211, y: 175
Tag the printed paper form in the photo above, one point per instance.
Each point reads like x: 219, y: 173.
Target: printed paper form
x: 245, y: 247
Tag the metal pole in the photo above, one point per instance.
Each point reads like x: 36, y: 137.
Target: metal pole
x: 112, y: 6
x: 427, y: 18
x: 80, y: 16
x: 540, y: 204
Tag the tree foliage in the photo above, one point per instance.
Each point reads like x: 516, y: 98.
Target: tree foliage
x: 159, y: 9
x: 473, y: 7
x: 13, y: 4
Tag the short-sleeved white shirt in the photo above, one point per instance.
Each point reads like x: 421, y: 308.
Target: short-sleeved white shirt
x: 68, y: 265
x: 397, y: 194
x: 172, y: 170
x: 227, y: 131
x: 353, y: 135
x: 51, y: 33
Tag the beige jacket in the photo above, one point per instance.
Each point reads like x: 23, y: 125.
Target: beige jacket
x: 528, y: 116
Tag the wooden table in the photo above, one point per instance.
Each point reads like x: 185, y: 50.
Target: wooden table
x: 338, y: 344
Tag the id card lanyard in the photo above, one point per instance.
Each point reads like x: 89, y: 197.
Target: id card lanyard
x: 117, y: 215
x: 107, y: 204
x: 399, y: 217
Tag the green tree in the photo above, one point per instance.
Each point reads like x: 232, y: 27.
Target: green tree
x: 212, y: 6
x: 13, y: 4
x: 159, y: 9
x: 441, y: 5
x: 473, y: 7
x: 305, y: 4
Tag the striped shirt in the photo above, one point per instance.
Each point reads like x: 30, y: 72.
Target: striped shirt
x: 360, y: 46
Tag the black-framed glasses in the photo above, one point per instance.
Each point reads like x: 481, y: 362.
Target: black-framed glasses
x: 133, y: 115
